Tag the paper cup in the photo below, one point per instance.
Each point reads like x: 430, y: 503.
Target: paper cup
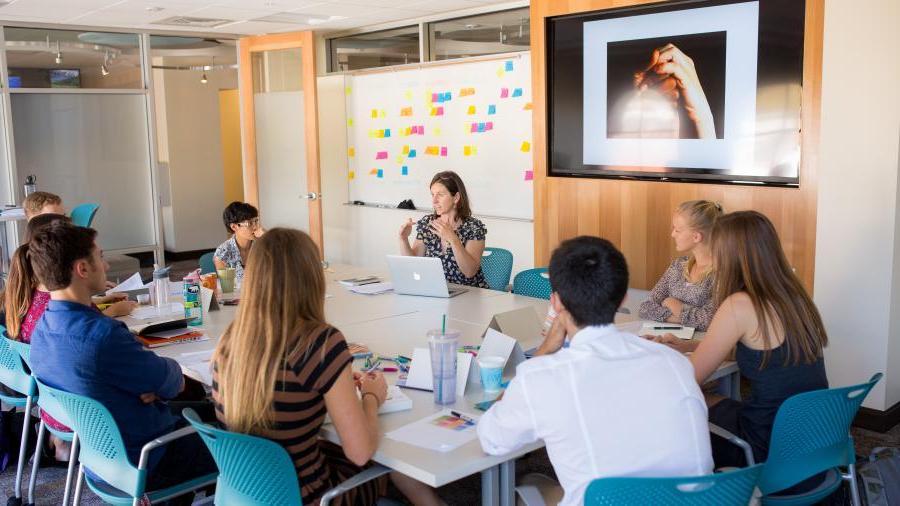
x: 491, y: 372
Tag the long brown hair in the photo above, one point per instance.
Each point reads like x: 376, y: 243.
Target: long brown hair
x: 701, y: 216
x: 749, y: 258
x: 21, y: 282
x: 454, y: 185
x: 282, y: 306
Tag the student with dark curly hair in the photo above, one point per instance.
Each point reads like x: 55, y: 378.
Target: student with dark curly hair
x: 242, y: 222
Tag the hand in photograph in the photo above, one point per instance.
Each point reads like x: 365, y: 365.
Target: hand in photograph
x: 672, y: 73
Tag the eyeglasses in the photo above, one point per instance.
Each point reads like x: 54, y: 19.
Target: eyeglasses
x: 254, y: 223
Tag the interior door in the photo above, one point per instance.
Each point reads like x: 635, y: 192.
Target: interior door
x: 279, y: 130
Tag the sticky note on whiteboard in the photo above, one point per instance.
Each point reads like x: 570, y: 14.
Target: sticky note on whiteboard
x: 406, y: 111
x: 351, y: 152
x: 504, y: 93
x: 412, y: 153
x: 526, y: 146
x: 443, y: 150
x: 351, y: 175
x: 381, y: 155
x: 509, y: 66
x: 374, y: 113
x: 380, y: 172
x: 517, y: 92
x: 529, y: 175
x: 471, y: 110
x: 404, y: 171
x: 492, y: 109
x: 405, y: 149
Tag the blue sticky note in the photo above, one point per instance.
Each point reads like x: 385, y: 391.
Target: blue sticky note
x: 387, y: 132
x: 481, y: 127
x: 380, y: 172
x: 516, y: 93
x: 404, y: 171
x: 492, y: 109
x: 412, y: 153
x: 509, y: 66
x: 447, y: 96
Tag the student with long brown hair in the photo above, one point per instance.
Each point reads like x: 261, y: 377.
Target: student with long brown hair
x: 451, y: 233
x: 684, y: 292
x: 766, y: 313
x: 280, y: 367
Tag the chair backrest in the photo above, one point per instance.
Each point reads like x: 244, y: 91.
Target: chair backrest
x: 240, y: 458
x: 102, y: 449
x: 533, y: 283
x: 12, y: 370
x: 811, y: 435
x: 496, y: 263
x: 206, y: 263
x: 733, y: 488
x: 83, y: 214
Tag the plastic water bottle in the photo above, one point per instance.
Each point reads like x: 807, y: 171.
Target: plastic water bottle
x: 193, y: 301
x: 30, y: 185
x: 160, y: 291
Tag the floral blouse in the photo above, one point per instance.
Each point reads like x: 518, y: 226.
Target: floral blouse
x: 229, y: 253
x: 698, y: 306
x: 471, y: 229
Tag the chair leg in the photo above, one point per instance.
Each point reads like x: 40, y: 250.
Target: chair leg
x: 854, y: 489
x: 23, y: 446
x: 79, y: 485
x: 70, y: 472
x: 38, y: 450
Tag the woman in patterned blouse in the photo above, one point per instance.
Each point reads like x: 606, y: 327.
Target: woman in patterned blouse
x: 684, y: 293
x: 451, y: 233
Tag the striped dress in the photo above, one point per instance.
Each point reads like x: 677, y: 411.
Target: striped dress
x: 299, y: 413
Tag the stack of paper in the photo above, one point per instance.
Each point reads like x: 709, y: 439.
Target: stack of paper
x: 444, y: 431
x: 198, y: 362
x: 363, y: 280
x: 372, y: 288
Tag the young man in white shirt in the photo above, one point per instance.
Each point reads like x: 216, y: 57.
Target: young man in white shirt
x: 609, y: 404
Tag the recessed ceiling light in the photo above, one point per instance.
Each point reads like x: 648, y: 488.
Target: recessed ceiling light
x: 471, y: 26
x: 153, y: 9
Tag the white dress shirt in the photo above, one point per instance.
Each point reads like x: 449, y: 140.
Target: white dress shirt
x: 611, y: 404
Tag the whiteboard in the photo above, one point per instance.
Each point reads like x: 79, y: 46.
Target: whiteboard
x: 405, y: 125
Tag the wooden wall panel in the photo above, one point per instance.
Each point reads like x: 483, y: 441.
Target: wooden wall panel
x: 636, y: 215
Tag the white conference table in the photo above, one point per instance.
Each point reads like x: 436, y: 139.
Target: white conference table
x: 391, y: 324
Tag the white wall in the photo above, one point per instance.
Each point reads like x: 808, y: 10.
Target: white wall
x: 364, y: 235
x: 190, y: 144
x: 857, y: 287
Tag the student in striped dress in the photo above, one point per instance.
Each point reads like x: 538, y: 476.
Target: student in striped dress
x: 279, y: 368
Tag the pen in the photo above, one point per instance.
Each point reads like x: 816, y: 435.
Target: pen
x: 666, y: 328
x: 461, y: 416
x: 371, y: 368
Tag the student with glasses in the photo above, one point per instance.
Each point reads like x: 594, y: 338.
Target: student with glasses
x: 242, y: 222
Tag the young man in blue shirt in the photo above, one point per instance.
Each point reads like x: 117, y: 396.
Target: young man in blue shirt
x: 76, y: 348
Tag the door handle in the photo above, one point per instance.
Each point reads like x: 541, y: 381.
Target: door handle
x: 311, y: 196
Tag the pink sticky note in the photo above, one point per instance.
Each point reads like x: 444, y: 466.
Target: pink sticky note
x: 474, y: 128
x: 489, y: 125
x: 381, y: 155
x: 504, y: 92
x: 529, y: 175
x: 440, y: 111
x: 443, y: 150
x: 434, y: 97
x: 421, y: 129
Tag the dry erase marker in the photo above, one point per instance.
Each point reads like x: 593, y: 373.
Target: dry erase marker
x: 461, y: 416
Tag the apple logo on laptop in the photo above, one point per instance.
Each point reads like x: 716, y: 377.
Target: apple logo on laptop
x: 417, y: 276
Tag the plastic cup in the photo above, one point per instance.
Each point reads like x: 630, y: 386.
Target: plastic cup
x: 143, y: 299
x: 226, y: 279
x: 209, y: 281
x: 442, y: 346
x: 491, y: 373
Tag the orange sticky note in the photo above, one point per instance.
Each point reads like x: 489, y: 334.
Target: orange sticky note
x: 351, y: 175
x: 406, y: 111
x: 527, y: 107
x: 351, y: 152
x: 380, y: 134
x: 432, y: 150
x: 471, y: 110
x: 406, y: 149
x: 526, y: 146
x: 373, y: 172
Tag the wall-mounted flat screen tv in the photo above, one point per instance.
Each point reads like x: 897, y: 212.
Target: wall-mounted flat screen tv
x: 700, y: 91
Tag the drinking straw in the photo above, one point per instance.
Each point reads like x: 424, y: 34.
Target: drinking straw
x: 444, y: 325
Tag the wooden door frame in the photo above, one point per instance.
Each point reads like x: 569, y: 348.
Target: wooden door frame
x: 306, y: 42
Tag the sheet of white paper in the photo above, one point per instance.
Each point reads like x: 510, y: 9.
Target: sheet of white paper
x: 132, y: 283
x: 441, y: 432
x: 680, y: 333
x: 372, y: 289
x: 420, y: 371
x: 199, y: 362
x: 151, y: 312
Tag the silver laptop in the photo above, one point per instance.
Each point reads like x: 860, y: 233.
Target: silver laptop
x: 420, y: 276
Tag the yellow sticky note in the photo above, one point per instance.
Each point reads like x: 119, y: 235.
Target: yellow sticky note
x: 381, y: 113
x: 467, y: 150
x: 433, y: 111
x: 380, y: 134
x: 408, y: 94
x: 500, y: 72
x: 471, y: 110
x: 374, y: 113
x: 406, y: 149
x: 399, y: 159
x: 372, y: 134
x: 347, y: 90
x: 351, y: 152
x: 351, y: 175
x: 526, y: 146
x: 349, y: 122
x: 437, y: 130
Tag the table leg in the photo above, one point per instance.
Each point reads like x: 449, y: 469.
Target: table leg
x: 508, y: 483
x: 490, y: 486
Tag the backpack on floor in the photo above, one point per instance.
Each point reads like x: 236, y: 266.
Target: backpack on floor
x: 879, y: 477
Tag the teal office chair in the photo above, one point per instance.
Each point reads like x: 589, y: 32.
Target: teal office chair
x: 733, y: 488
x: 206, y: 263
x: 14, y: 376
x: 533, y: 283
x: 103, y: 452
x: 240, y: 457
x: 83, y: 214
x: 496, y: 263
x: 810, y: 436
x: 50, y: 406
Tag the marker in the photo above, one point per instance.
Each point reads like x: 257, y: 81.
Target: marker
x: 462, y: 416
x: 666, y: 328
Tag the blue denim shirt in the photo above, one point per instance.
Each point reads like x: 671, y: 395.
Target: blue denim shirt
x: 77, y: 349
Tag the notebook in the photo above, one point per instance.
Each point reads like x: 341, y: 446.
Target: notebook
x: 396, y: 401
x: 188, y: 336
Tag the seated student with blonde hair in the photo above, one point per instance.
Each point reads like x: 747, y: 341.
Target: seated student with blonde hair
x: 684, y: 292
x: 39, y: 203
x: 280, y: 368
